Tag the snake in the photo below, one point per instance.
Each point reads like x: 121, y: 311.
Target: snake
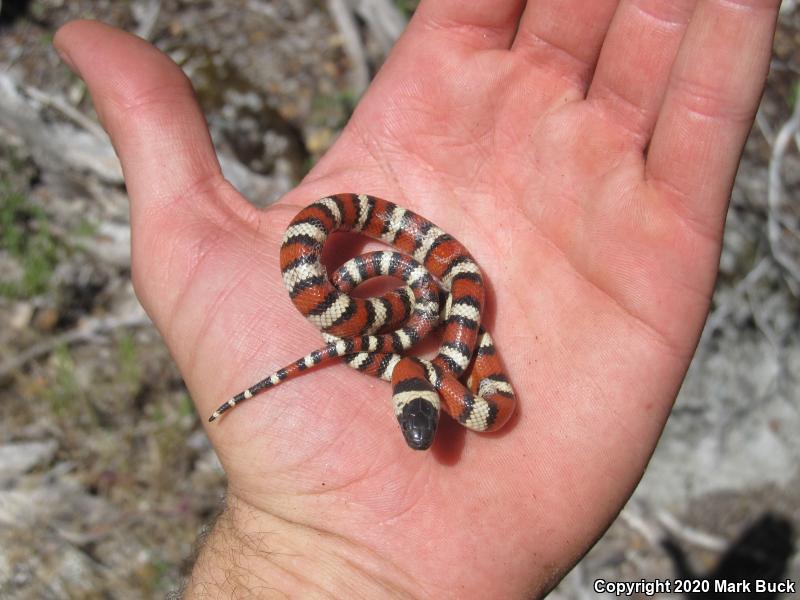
x: 443, y: 289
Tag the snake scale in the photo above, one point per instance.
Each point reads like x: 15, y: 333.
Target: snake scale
x: 443, y: 288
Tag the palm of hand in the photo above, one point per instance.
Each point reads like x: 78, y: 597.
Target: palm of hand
x: 599, y: 280
x: 583, y: 309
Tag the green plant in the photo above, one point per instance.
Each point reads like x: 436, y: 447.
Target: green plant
x: 186, y: 406
x: 25, y: 235
x: 333, y: 110
x: 130, y: 370
x: 64, y: 390
x: 407, y: 6
x: 85, y: 228
x: 794, y: 94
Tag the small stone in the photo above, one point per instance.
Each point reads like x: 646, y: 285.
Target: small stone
x: 330, y: 68
x: 76, y: 93
x: 21, y: 315
x: 17, y: 458
x: 46, y: 319
x: 175, y: 28
x: 319, y: 140
x: 289, y: 110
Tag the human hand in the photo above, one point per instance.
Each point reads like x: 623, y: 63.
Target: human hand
x: 583, y: 152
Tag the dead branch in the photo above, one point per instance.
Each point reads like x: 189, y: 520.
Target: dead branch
x: 717, y: 318
x: 146, y: 13
x: 775, y: 195
x: 342, y: 14
x: 690, y: 535
x: 384, y: 21
x: 90, y: 330
x: 58, y: 145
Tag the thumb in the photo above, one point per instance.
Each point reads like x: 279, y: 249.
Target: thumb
x: 177, y: 193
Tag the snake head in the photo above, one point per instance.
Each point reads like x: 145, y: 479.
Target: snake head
x: 418, y: 420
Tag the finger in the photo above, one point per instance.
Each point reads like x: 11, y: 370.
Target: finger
x: 147, y: 106
x: 566, y: 34
x: 180, y: 204
x: 635, y: 62
x: 713, y: 93
x: 481, y: 24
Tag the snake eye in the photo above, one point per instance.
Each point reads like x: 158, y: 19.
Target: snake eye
x: 418, y: 421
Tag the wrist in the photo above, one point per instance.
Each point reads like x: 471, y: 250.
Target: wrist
x: 252, y: 553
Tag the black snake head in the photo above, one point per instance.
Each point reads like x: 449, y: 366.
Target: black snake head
x: 418, y: 421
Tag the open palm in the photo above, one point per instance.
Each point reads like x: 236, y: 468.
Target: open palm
x: 582, y: 151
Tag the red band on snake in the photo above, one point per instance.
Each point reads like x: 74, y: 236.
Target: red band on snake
x: 374, y: 334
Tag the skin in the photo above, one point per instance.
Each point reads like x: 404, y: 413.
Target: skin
x: 584, y: 153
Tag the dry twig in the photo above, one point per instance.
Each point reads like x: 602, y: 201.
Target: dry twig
x: 87, y: 332
x: 693, y: 536
x: 342, y: 14
x: 146, y: 13
x: 668, y: 523
x: 775, y: 222
x: 717, y: 318
x: 384, y: 21
x: 67, y: 110
x: 640, y: 525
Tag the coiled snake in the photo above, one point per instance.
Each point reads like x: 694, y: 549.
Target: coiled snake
x: 372, y: 334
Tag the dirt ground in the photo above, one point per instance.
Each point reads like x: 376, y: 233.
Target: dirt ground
x: 106, y: 476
